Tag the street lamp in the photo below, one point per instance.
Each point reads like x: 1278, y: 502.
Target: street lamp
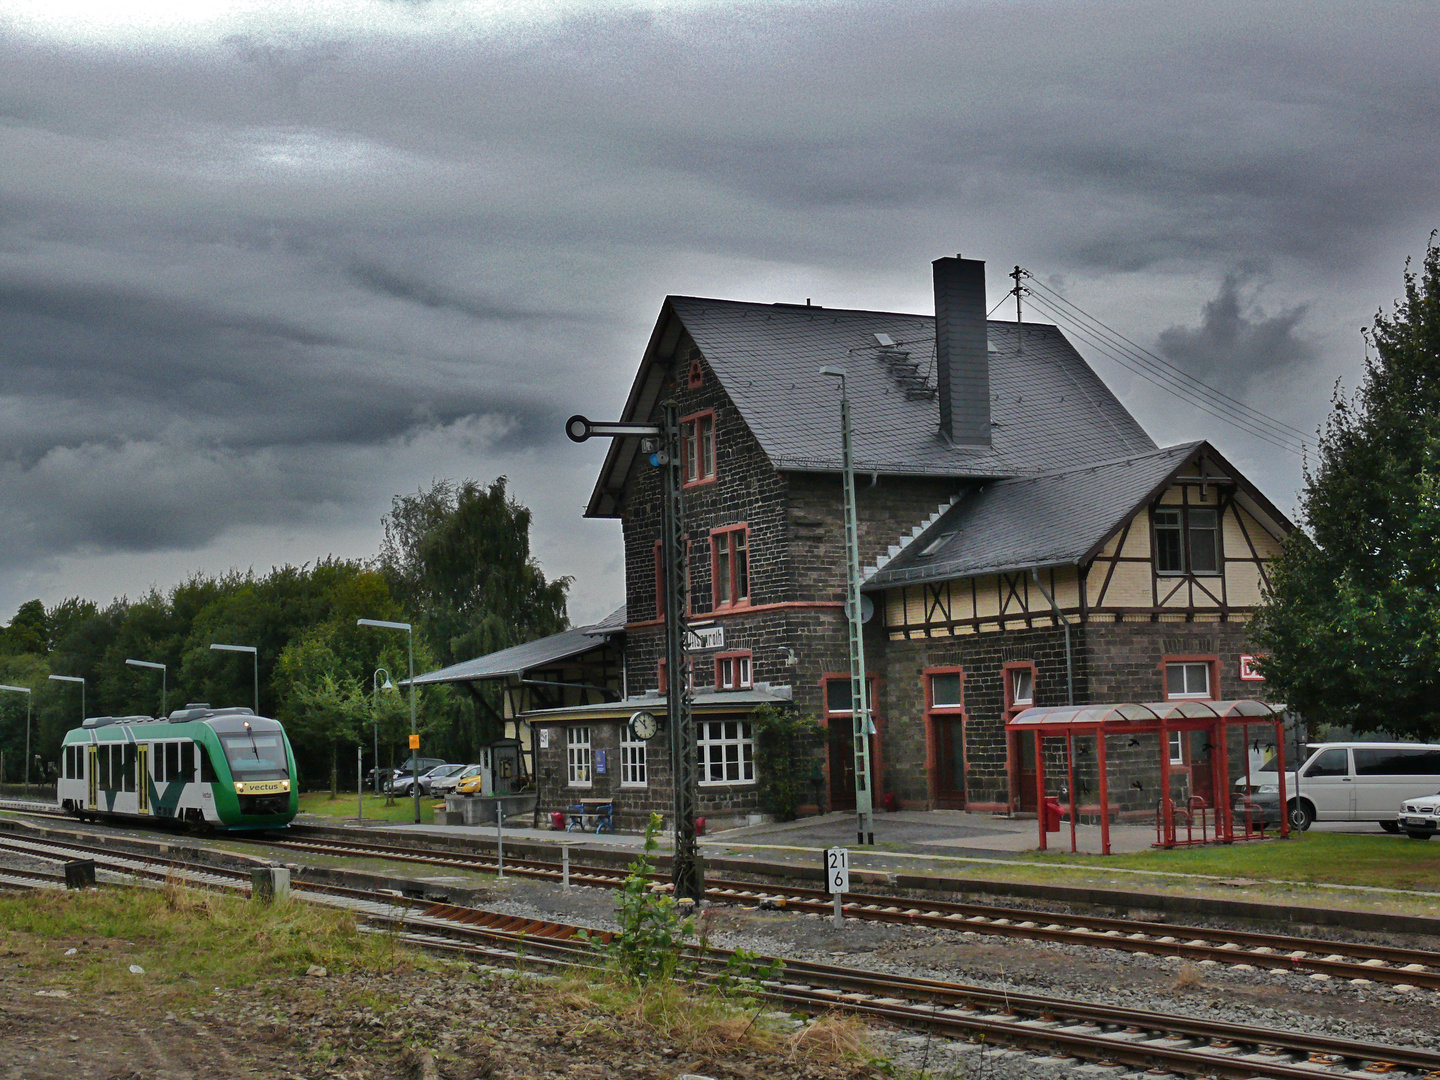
x: 864, y: 808
x: 414, y: 735
x: 81, y: 681
x: 163, y: 676
x: 376, y: 688
x: 254, y: 654
x: 26, y: 691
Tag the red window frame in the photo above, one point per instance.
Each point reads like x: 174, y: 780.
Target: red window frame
x: 697, y: 431
x: 1210, y: 660
x: 662, y: 675
x: 1008, y: 675
x: 730, y: 550
x: 697, y: 374
x: 732, y: 660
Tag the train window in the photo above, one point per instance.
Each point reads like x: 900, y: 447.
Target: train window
x: 207, y: 767
x: 172, y: 761
x: 187, y: 761
x: 157, y: 761
x: 105, y: 770
x: 128, y: 773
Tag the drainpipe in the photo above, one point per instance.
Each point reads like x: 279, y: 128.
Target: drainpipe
x: 1069, y: 662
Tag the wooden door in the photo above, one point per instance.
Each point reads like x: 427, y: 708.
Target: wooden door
x: 949, y: 757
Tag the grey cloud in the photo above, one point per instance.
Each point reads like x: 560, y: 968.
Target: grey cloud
x: 1236, y: 342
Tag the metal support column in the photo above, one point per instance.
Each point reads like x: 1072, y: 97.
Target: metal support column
x: 687, y: 873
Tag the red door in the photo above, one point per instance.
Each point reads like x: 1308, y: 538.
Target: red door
x: 1023, y: 748
x: 949, y: 750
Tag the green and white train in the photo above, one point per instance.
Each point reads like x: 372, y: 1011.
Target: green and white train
x: 216, y: 768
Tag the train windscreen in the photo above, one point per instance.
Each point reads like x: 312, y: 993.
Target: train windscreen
x: 258, y: 756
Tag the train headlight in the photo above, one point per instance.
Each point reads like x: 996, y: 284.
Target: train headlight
x: 239, y: 787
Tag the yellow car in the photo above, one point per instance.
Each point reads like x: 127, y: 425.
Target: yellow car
x: 470, y: 782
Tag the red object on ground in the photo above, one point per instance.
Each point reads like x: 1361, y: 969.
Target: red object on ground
x: 1052, y: 814
x: 557, y: 820
x: 699, y: 826
x: 890, y: 802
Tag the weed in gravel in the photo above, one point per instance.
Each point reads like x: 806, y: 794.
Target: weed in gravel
x: 833, y: 1037
x: 1187, y: 977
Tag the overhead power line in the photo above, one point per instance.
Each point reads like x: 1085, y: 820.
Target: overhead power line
x: 1164, y: 375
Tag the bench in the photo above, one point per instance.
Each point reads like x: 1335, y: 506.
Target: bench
x: 593, y: 815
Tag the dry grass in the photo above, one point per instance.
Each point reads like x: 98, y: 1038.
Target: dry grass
x: 1187, y: 977
x: 833, y: 1037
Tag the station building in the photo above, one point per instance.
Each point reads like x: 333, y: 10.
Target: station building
x: 1025, y: 543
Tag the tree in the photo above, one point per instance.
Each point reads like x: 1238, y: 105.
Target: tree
x: 458, y: 557
x: 1351, y: 625
x: 28, y: 631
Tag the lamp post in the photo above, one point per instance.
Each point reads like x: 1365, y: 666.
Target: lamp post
x: 376, y: 688
x: 860, y: 713
x: 26, y: 691
x: 163, y: 676
x: 255, y: 654
x: 414, y: 735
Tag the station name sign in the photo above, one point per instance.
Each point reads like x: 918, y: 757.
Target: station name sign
x: 705, y: 637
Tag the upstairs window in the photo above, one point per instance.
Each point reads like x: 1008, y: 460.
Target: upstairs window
x: 697, y: 374
x: 697, y: 448
x: 732, y: 671
x: 1186, y: 540
x: 731, y: 578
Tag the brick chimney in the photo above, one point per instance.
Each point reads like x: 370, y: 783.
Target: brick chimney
x: 962, y: 362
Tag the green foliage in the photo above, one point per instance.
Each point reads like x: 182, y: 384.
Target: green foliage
x: 653, y: 930
x: 784, y: 747
x: 458, y: 557
x: 1352, y: 623
x: 28, y: 631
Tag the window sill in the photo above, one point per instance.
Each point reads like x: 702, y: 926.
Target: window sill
x: 698, y: 483
x: 713, y: 785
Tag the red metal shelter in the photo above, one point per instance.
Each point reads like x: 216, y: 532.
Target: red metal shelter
x: 1134, y: 721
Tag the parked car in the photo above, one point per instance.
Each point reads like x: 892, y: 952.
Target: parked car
x: 406, y: 769
x: 446, y: 784
x: 1352, y: 782
x: 404, y: 784
x: 1420, y: 817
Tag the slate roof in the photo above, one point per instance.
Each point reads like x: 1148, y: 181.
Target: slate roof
x: 533, y: 654
x: 1048, y: 407
x: 1053, y: 519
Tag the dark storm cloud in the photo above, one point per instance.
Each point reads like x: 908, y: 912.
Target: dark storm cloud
x: 1235, y: 340
x: 241, y: 280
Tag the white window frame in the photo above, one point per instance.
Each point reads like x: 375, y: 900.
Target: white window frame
x: 1177, y: 748
x: 733, y: 752
x: 947, y: 706
x: 579, y: 761
x: 634, y: 772
x: 733, y: 671
x: 1187, y: 694
x: 1015, y: 699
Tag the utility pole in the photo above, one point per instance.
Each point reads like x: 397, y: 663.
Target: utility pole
x: 1018, y: 275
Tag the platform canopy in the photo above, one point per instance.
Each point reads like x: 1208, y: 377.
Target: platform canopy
x: 1139, y: 716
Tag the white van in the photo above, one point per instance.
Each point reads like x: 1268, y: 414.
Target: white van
x: 1353, y: 782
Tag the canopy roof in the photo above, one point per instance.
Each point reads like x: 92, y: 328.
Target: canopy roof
x: 1143, y: 715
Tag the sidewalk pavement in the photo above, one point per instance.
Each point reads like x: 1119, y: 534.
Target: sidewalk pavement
x: 904, y: 839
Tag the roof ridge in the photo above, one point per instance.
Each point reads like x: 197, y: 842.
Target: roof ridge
x: 768, y: 304
x: 1124, y: 459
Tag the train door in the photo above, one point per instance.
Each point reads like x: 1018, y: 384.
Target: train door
x: 92, y: 775
x: 142, y: 778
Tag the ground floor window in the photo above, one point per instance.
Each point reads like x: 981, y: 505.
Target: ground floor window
x: 726, y: 751
x: 632, y: 759
x: 577, y: 755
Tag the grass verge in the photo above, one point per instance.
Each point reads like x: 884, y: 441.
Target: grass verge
x: 344, y: 805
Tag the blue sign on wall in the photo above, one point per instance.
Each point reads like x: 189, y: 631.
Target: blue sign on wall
x: 599, y: 762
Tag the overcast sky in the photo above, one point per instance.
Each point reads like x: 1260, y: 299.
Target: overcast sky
x: 265, y: 265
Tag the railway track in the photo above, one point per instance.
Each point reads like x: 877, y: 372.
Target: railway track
x: 1352, y: 961
x: 1053, y: 1026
